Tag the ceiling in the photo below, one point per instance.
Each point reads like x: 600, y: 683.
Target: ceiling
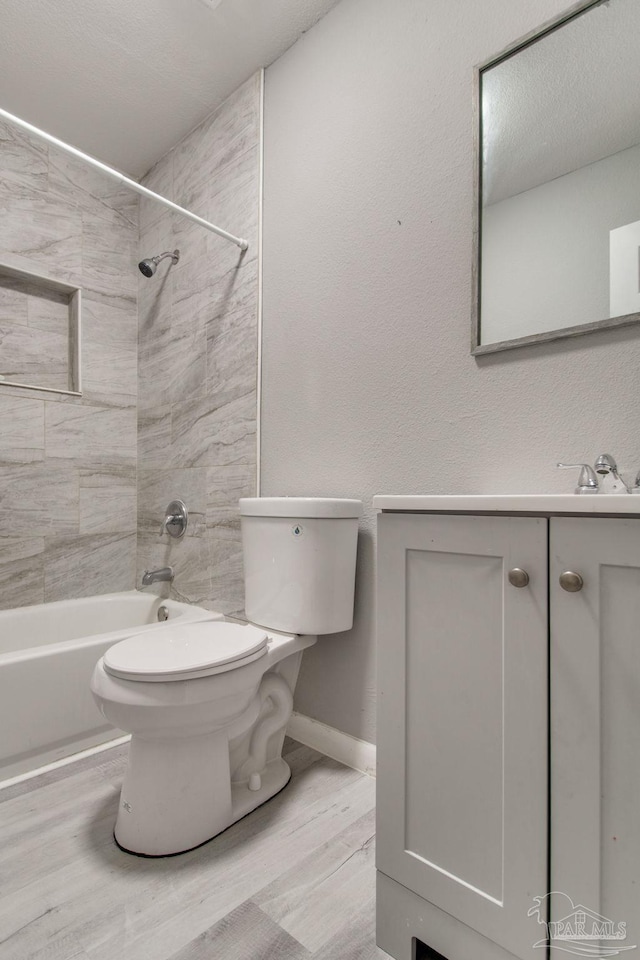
x: 564, y: 102
x: 124, y: 81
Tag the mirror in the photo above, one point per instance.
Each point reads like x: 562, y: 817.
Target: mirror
x: 557, y: 200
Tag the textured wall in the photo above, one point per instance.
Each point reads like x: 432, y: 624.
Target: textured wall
x: 368, y: 385
x: 198, y: 352
x: 68, y: 465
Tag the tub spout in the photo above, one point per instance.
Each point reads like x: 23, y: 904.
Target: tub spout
x: 152, y: 576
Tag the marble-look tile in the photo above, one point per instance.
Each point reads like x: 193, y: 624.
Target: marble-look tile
x: 46, y: 232
x: 234, y: 191
x: 203, y: 435
x: 154, y: 435
x: 13, y: 300
x: 188, y: 354
x: 155, y: 307
x: 21, y: 571
x: 89, y: 564
x: 154, y: 367
x: 110, y: 353
x: 21, y: 428
x: 210, y: 265
x: 68, y: 465
x: 230, y: 200
x: 158, y: 487
x: 48, y: 311
x: 225, y: 486
x: 235, y: 295
x: 227, y: 580
x: 153, y: 552
x: 197, y: 356
x: 90, y: 434
x: 24, y: 160
x: 190, y: 559
x: 109, y: 254
x: 160, y: 180
x: 43, y: 496
x: 216, y: 140
x: 108, y: 500
x: 157, y: 237
x: 34, y: 356
x: 232, y: 362
x: 81, y: 186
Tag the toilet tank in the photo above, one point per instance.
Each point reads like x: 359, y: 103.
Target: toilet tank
x: 300, y: 562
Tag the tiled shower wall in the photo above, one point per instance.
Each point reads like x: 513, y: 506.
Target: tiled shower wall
x: 198, y: 355
x: 68, y: 464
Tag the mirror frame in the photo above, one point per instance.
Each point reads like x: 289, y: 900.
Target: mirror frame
x: 562, y: 333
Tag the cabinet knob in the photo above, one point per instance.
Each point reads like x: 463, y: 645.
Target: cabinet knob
x: 518, y: 577
x: 571, y: 582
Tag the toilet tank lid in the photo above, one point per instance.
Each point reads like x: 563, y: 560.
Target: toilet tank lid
x: 296, y: 507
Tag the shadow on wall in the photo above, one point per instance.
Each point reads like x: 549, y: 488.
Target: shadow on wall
x: 324, y: 686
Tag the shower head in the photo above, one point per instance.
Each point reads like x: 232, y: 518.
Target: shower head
x: 148, y: 267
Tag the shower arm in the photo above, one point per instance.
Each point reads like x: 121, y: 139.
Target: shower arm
x: 120, y: 177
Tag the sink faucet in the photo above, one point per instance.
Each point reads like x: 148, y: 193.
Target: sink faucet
x: 152, y: 576
x: 607, y: 467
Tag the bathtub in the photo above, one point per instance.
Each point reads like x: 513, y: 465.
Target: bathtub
x: 47, y: 656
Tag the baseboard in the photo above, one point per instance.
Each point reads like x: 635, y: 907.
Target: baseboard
x: 340, y: 746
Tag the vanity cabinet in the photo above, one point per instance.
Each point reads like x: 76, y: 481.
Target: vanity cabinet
x: 508, y: 729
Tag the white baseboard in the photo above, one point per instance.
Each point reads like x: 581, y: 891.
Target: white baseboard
x: 340, y: 746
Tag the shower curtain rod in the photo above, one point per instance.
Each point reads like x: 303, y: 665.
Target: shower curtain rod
x: 120, y: 177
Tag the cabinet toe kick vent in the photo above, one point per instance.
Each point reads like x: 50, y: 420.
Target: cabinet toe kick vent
x: 422, y: 952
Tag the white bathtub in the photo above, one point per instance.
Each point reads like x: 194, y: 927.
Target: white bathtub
x: 47, y: 656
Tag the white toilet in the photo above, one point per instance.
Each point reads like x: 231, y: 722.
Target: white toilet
x: 207, y: 703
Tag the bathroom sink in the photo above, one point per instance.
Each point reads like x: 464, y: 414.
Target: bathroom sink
x: 544, y: 503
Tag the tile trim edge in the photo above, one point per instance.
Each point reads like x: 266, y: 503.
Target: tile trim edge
x: 64, y: 761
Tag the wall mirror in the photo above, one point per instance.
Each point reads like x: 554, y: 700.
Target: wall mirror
x: 557, y: 200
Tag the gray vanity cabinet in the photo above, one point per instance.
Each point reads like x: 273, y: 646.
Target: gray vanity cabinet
x: 465, y: 760
x: 595, y: 719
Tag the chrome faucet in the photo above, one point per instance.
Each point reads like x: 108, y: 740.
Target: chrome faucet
x: 153, y: 576
x: 606, y: 466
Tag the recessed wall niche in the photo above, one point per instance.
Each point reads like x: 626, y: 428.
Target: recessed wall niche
x: 39, y: 332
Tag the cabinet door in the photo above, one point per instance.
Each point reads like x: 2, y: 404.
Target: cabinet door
x: 595, y: 721
x: 463, y: 717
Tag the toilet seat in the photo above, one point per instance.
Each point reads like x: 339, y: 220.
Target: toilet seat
x: 185, y: 652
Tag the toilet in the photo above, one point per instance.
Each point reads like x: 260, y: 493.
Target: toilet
x: 207, y: 703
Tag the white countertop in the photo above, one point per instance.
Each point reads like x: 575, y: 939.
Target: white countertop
x: 597, y: 503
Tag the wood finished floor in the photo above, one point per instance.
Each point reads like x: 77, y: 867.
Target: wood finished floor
x: 292, y: 881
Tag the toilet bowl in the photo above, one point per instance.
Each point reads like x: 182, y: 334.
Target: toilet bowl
x: 207, y: 703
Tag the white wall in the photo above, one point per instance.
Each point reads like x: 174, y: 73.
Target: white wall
x: 368, y: 384
x: 545, y: 252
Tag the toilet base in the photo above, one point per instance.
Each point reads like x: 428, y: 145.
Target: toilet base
x: 274, y: 778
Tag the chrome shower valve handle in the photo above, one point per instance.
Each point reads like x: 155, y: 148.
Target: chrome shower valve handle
x: 175, y: 520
